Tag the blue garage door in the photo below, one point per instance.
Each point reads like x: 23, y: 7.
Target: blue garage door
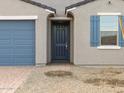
x: 17, y: 43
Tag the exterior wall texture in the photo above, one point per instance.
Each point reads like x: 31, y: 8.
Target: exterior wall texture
x: 19, y: 8
x: 83, y: 53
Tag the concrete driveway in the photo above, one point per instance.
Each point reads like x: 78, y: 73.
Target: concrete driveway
x: 12, y: 77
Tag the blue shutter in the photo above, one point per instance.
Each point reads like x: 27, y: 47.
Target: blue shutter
x: 121, y: 40
x: 95, y: 31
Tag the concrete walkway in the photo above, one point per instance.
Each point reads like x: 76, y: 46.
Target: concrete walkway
x: 12, y: 77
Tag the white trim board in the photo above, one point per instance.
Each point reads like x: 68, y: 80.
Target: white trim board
x: 109, y: 47
x: 60, y: 18
x: 71, y: 9
x: 109, y: 14
x: 18, y: 17
x: 47, y: 10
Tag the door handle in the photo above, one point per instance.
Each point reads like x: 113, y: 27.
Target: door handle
x: 66, y: 45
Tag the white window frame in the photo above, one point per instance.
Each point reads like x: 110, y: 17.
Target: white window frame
x: 109, y: 46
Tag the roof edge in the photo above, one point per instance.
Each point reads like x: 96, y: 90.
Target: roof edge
x: 78, y: 4
x: 39, y: 5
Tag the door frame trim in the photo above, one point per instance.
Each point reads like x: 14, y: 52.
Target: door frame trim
x: 49, y: 58
x: 55, y: 22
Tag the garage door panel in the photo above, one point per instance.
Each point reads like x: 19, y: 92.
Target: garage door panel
x: 5, y: 56
x: 23, y: 37
x: 17, y: 42
x: 5, y: 47
x: 5, y: 42
x: 26, y: 31
x: 6, y: 51
x: 24, y: 47
x: 6, y: 60
x: 24, y: 42
x: 5, y: 35
x: 23, y: 56
x: 24, y: 61
x: 23, y: 51
x: 17, y: 24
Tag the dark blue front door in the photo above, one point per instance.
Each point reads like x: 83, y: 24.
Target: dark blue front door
x: 60, y: 40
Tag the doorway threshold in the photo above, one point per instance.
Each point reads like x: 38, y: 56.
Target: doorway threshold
x: 60, y: 62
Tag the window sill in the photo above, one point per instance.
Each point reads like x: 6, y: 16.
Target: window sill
x: 109, y: 47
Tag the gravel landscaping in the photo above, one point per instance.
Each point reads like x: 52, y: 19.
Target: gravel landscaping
x: 74, y: 79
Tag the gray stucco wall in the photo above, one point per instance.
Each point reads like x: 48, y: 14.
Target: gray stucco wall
x: 19, y: 8
x: 59, y: 5
x: 83, y: 53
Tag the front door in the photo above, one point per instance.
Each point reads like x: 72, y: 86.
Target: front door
x: 60, y: 40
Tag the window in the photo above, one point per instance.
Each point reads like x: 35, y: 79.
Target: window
x: 109, y: 30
